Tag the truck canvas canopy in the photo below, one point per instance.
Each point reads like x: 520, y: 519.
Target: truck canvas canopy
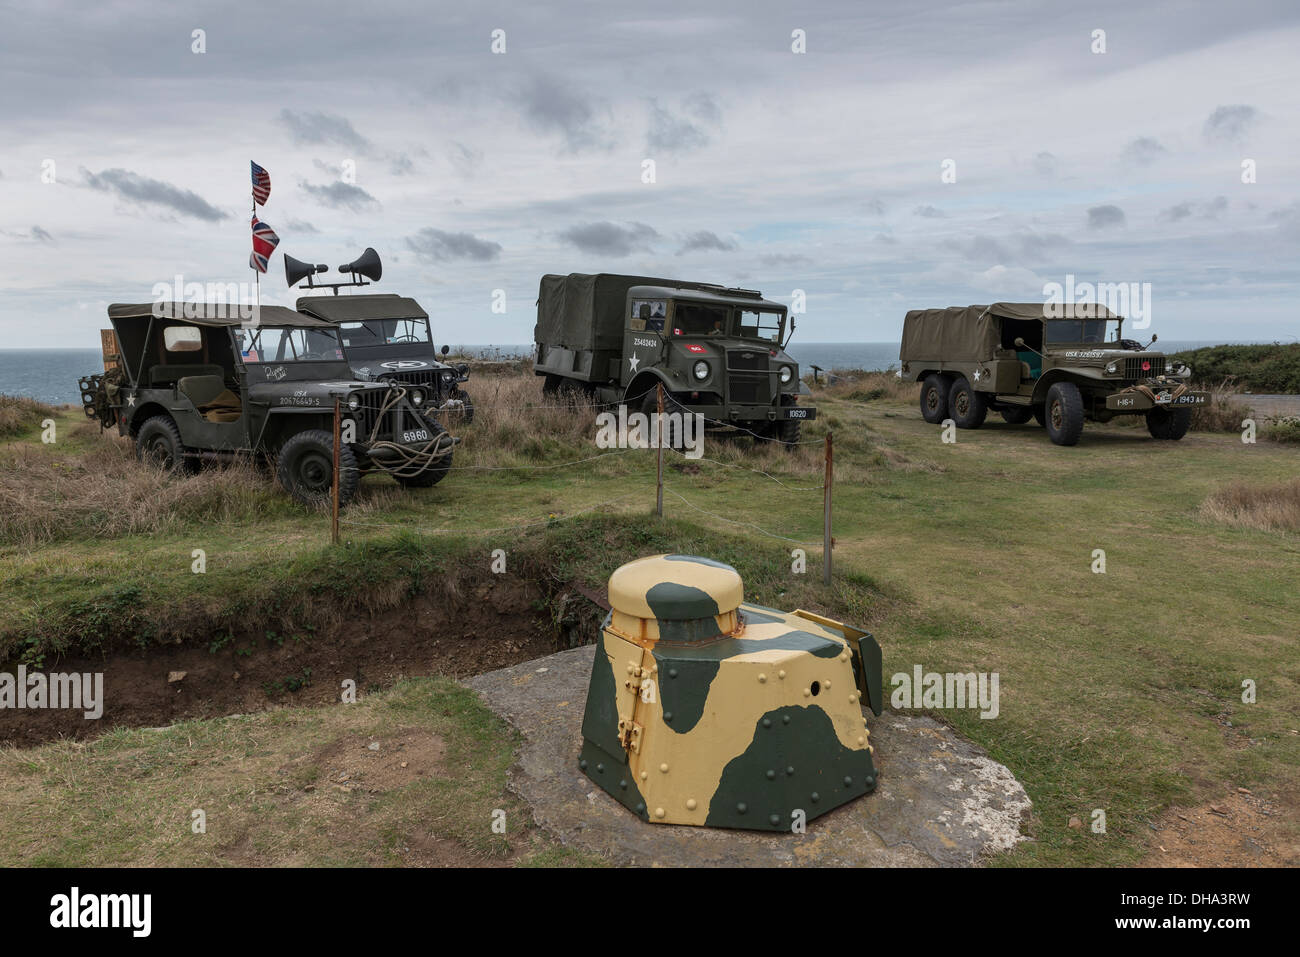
x: 971, y: 333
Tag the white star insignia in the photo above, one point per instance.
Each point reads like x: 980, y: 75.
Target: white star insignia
x: 633, y: 362
x: 130, y: 398
x: 978, y: 374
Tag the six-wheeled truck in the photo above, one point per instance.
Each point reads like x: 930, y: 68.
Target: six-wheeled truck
x: 716, y: 351
x: 1057, y: 364
x: 191, y: 382
x: 386, y: 339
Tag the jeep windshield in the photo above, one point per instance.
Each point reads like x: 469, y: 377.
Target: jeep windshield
x: 289, y: 345
x: 1083, y: 330
x: 381, y: 333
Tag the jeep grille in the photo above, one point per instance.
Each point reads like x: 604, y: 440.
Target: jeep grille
x: 396, y: 420
x: 749, y: 380
x: 428, y: 379
x: 1133, y: 367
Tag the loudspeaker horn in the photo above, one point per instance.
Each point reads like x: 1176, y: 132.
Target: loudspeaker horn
x: 367, y: 264
x: 295, y: 270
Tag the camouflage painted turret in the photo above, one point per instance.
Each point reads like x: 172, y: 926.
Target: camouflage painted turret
x: 706, y: 710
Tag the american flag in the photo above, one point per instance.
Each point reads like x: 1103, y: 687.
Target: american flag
x: 264, y: 242
x: 261, y: 184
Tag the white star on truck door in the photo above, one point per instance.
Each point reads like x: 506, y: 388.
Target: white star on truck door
x: 633, y: 361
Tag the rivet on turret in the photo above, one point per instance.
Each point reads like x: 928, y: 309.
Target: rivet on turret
x: 806, y: 692
x: 815, y: 797
x: 762, y: 679
x: 672, y: 672
x: 583, y: 764
x: 741, y: 808
x: 771, y: 775
x: 663, y: 768
x: 600, y: 768
x: 861, y: 740
x: 774, y: 819
x: 785, y: 719
x: 826, y: 685
x: 853, y: 699
x: 781, y: 673
x: 789, y: 771
x: 630, y: 669
x: 644, y: 775
x: 668, y: 717
x: 690, y: 804
x: 844, y: 656
x: 847, y: 781
x: 623, y: 784
x: 640, y: 808
x: 767, y: 722
x: 659, y: 812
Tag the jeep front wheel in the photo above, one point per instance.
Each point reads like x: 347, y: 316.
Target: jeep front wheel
x: 306, y: 468
x: 159, y: 443
x: 1064, y: 413
x: 966, y: 406
x: 934, y: 399
x: 1169, y: 424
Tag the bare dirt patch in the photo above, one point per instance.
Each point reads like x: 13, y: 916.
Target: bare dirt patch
x: 1240, y: 830
x: 481, y: 627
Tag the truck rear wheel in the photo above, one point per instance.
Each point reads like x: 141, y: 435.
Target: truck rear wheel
x: 934, y: 398
x: 967, y: 407
x: 1017, y: 414
x: 159, y: 443
x: 1169, y: 424
x: 1064, y: 413
x: 306, y: 468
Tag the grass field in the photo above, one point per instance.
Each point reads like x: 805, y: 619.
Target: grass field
x: 1121, y: 691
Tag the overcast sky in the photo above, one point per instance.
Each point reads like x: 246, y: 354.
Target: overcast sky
x: 776, y: 170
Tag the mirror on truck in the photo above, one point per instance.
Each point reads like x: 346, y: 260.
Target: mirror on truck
x: 446, y: 349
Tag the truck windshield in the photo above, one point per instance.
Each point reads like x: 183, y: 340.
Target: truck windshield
x: 755, y: 324
x: 698, y: 319
x: 381, y: 332
x: 1082, y: 330
x: 289, y: 345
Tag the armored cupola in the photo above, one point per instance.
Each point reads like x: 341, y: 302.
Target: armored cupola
x: 677, y: 599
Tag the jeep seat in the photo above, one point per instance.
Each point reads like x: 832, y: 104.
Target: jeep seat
x: 164, y: 375
x: 211, y: 397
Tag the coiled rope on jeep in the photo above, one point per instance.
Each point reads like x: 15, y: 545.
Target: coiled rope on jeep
x: 414, y: 459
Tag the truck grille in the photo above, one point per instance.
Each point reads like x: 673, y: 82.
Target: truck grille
x: 1133, y: 366
x: 749, y: 380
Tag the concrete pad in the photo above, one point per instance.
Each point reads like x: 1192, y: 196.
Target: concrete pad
x: 941, y: 801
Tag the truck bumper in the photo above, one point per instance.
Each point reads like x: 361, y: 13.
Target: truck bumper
x: 1135, y: 400
x: 753, y: 413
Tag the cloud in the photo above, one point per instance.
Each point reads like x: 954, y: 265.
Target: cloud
x: 1103, y: 217
x: 1228, y: 124
x: 778, y: 260
x: 1143, y: 151
x: 142, y: 190
x: 434, y: 245
x: 1214, y: 209
x: 339, y: 195
x: 323, y: 129
x: 1174, y: 213
x: 677, y: 134
x: 873, y: 207
x: 464, y: 160
x: 399, y: 164
x: 300, y: 226
x: 610, y: 239
x: 929, y: 212
x: 703, y: 240
x: 1045, y: 164
x: 41, y: 236
x: 552, y: 107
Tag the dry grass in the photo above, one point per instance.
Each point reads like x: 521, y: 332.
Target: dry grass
x: 18, y: 414
x: 103, y: 492
x: 1225, y: 411
x: 862, y: 386
x: 1262, y: 507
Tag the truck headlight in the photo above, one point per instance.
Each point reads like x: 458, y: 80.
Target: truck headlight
x: 1182, y: 369
x: 1112, y: 368
x: 786, y: 374
x: 701, y: 370
x: 354, y: 402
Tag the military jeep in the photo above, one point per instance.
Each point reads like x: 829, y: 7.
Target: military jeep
x: 386, y: 338
x: 194, y: 382
x: 716, y: 351
x: 1022, y: 361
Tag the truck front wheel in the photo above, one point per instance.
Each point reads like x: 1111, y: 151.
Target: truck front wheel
x: 1064, y: 413
x: 306, y: 468
x: 967, y: 407
x: 1169, y: 424
x: 934, y: 398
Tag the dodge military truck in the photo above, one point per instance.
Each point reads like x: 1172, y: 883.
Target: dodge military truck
x: 1022, y: 361
x: 193, y: 382
x: 716, y: 351
x: 386, y: 339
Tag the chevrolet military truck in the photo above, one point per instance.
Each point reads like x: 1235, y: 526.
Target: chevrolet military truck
x: 192, y: 382
x: 1019, y: 360
x: 716, y: 351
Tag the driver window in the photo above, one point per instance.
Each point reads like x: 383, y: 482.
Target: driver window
x: 648, y: 315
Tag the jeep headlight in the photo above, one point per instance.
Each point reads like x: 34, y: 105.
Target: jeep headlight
x: 700, y: 370
x: 354, y: 401
x: 417, y: 396
x: 1112, y: 368
x: 786, y: 374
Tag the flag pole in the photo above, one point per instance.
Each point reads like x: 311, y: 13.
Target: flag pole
x: 257, y: 275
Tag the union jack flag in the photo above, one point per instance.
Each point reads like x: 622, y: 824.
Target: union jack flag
x: 261, y: 184
x: 264, y: 242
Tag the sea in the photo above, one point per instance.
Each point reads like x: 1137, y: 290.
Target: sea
x: 50, y: 375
